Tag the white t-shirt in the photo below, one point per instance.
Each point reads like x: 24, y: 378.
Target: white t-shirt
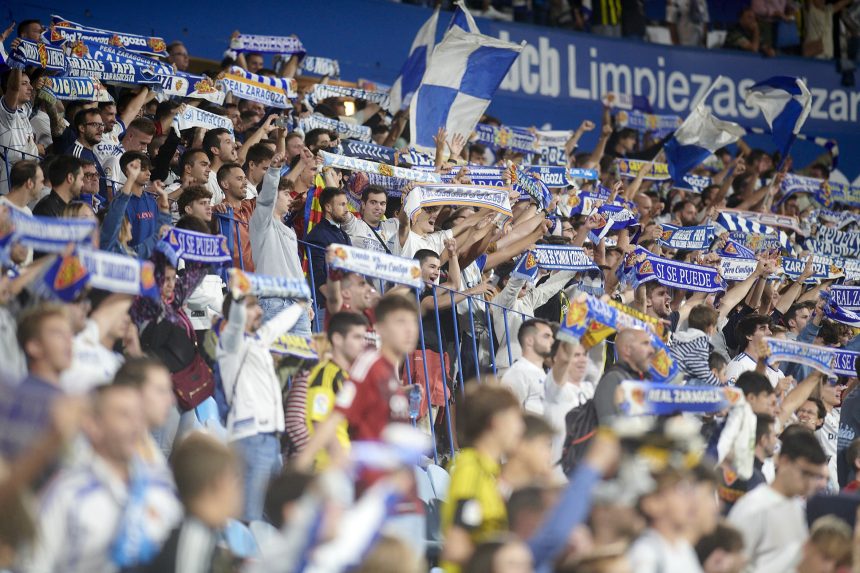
x: 559, y: 399
x: 415, y: 242
x: 827, y: 435
x: 92, y: 363
x: 16, y: 133
x: 773, y: 527
x: 214, y: 188
x: 250, y: 190
x: 361, y: 235
x: 744, y: 363
x: 109, y: 146
x: 526, y: 381
x: 651, y: 553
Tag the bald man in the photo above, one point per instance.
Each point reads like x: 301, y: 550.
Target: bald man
x: 634, y: 351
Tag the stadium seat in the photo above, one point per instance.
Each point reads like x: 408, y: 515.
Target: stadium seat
x: 424, y: 486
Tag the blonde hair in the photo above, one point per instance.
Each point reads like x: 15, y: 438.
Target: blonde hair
x: 391, y: 555
x: 832, y: 537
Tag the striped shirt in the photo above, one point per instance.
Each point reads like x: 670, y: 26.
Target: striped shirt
x: 78, y: 150
x: 16, y: 134
x: 325, y: 382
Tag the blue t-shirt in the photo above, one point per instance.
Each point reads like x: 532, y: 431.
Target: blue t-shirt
x: 142, y: 213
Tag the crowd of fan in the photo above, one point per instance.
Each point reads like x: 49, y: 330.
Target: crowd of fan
x: 109, y: 463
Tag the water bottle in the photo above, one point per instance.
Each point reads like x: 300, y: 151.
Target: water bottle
x: 414, y: 401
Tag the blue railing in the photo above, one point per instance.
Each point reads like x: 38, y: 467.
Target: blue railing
x: 473, y: 304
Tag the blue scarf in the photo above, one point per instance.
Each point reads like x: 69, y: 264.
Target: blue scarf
x: 368, y: 151
x: 50, y: 234
x: 650, y: 399
x: 835, y: 312
x: 847, y: 297
x: 693, y: 183
x: 265, y: 286
x: 552, y: 258
x: 69, y: 89
x: 844, y: 362
x: 517, y: 139
x: 65, y: 279
x: 688, y: 238
x: 734, y: 250
x: 529, y: 188
x: 820, y: 358
x: 267, y: 44
x: 193, y: 246
x: 679, y: 275
x: 28, y: 53
x: 152, y: 45
x: 119, y: 273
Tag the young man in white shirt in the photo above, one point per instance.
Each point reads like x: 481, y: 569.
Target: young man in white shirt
x: 371, y: 232
x: 830, y: 392
x: 16, y: 132
x: 109, y: 507
x: 525, y: 378
x: 253, y: 390
x: 751, y: 330
x: 772, y: 518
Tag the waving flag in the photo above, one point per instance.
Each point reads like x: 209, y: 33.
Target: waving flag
x: 785, y: 103
x: 700, y: 135
x: 463, y: 18
x: 415, y: 65
x: 463, y: 75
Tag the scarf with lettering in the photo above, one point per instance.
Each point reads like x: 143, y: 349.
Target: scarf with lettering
x: 697, y: 238
x: 629, y: 168
x: 830, y: 241
x: 516, y: 139
x: 355, y: 164
x: 196, y: 117
x: 693, y: 183
x: 831, y: 192
x: 755, y: 242
x: 650, y: 399
x: 382, y: 266
x: 847, y: 297
x: 151, y: 45
x: 181, y: 84
x: 69, y: 89
x: 737, y: 269
x: 320, y: 66
x: 552, y: 258
x: 612, y: 217
x: 343, y: 129
x: 579, y: 202
x: 325, y: 91
x: 272, y: 92
x: 494, y: 199
x: 50, y: 234
x: 840, y: 218
x: 529, y: 187
x: 657, y: 123
x: 675, y: 274
x: 39, y: 54
x: 820, y: 358
x: 119, y: 273
x: 733, y: 222
x: 590, y: 320
x: 792, y: 268
x: 193, y: 246
x: 368, y: 151
x: 551, y: 146
x: 265, y: 286
x: 844, y: 363
x: 267, y: 44
x: 833, y: 311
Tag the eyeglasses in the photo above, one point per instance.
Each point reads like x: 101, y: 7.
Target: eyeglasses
x: 91, y: 175
x: 95, y: 124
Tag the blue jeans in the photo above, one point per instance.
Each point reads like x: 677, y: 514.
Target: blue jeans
x: 272, y: 306
x: 260, y: 456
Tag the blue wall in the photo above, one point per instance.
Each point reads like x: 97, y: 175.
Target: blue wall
x: 558, y: 80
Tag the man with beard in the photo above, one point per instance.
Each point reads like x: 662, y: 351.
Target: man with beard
x: 90, y: 128
x: 634, y: 351
x: 328, y: 231
x: 525, y: 378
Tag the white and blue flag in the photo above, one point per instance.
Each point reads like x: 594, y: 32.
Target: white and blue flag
x: 415, y: 65
x: 463, y: 18
x: 463, y: 75
x: 700, y: 135
x: 785, y: 103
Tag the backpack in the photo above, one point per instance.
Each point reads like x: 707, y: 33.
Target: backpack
x: 580, y: 426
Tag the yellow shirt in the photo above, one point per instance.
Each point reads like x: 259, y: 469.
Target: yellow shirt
x: 474, y: 500
x: 324, y: 382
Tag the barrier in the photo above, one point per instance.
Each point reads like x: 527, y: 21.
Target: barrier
x: 456, y: 374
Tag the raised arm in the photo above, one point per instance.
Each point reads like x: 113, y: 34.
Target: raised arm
x: 134, y: 106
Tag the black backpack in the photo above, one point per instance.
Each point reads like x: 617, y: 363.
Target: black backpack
x: 580, y: 426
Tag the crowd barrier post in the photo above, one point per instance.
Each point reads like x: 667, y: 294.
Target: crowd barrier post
x: 474, y: 340
x: 507, y: 337
x: 442, y: 360
x: 426, y: 379
x: 315, y: 326
x: 456, y: 358
x: 490, y: 337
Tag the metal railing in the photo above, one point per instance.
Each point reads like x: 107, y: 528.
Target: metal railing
x: 456, y: 375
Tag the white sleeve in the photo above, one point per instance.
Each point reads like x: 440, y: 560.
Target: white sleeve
x: 514, y: 381
x: 45, y: 556
x: 438, y: 239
